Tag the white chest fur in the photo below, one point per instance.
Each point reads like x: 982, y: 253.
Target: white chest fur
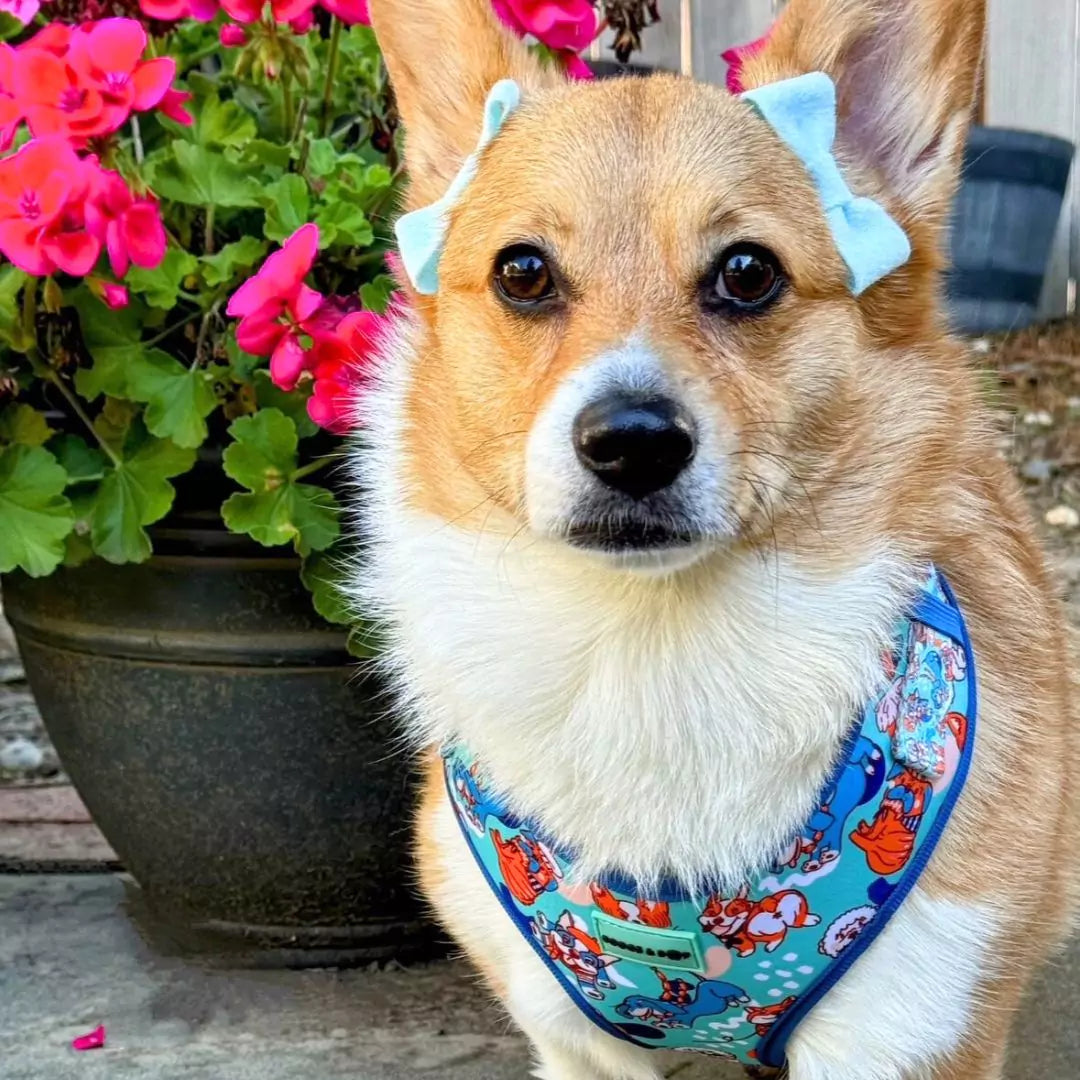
x: 679, y: 725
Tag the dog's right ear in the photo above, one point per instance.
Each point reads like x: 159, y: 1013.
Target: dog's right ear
x: 443, y: 57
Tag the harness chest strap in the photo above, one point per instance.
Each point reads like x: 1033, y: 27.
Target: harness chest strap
x: 731, y: 974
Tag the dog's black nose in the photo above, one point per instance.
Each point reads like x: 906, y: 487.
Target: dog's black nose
x: 634, y: 443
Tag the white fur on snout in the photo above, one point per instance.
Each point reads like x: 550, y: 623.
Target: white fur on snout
x: 558, y: 486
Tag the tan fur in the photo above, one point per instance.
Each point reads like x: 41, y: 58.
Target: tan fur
x: 858, y: 419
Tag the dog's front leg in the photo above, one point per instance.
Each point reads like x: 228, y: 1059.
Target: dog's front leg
x: 557, y: 1062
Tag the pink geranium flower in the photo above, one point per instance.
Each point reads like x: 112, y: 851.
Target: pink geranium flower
x: 109, y: 293
x: 10, y: 110
x: 559, y: 24
x: 249, y: 11
x: 130, y: 228
x: 350, y: 12
x: 172, y: 106
x: 232, y: 36
x: 87, y: 81
x: 277, y: 311
x: 43, y: 193
x: 736, y: 57
x: 175, y: 10
x: 576, y: 68
x: 341, y: 362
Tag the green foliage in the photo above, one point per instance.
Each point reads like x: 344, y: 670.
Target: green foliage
x: 178, y: 399
x: 36, y: 515
x: 276, y: 508
x: 161, y: 286
x: 82, y: 463
x: 24, y: 425
x: 293, y: 403
x: 197, y: 176
x: 135, y: 493
x: 113, y: 340
x: 232, y: 260
x: 287, y: 205
x: 101, y: 409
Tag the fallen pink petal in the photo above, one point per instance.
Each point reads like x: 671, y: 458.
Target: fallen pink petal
x: 93, y: 1040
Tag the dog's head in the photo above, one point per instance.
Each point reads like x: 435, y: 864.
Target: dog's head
x: 644, y: 342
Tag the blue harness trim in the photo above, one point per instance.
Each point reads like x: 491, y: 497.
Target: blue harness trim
x: 623, y: 959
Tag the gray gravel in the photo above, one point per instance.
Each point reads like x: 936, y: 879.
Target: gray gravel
x: 26, y: 754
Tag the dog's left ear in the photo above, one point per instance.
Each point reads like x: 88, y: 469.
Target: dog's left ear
x: 443, y: 57
x: 906, y: 73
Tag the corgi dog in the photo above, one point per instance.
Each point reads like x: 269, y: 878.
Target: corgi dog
x: 764, y: 1016
x: 645, y: 486
x: 647, y: 912
x: 745, y: 924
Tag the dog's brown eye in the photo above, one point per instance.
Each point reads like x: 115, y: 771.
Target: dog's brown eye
x: 748, y: 277
x: 523, y: 276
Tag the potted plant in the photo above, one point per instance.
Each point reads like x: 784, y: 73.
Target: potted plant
x: 194, y: 206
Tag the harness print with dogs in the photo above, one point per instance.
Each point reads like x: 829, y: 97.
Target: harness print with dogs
x: 733, y: 973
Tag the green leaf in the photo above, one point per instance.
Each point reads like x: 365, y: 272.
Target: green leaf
x: 113, y: 339
x: 36, y: 515
x: 77, y: 546
x: 287, y: 204
x: 378, y: 177
x: 161, y: 286
x: 292, y: 403
x: 199, y: 177
x: 12, y: 279
x: 322, y: 157
x: 115, y: 421
x: 343, y: 223
x: 242, y: 363
x: 134, y: 494
x: 304, y: 514
x: 178, y: 399
x: 242, y: 255
x: 323, y: 577
x: 264, y: 152
x: 263, y: 453
x: 10, y: 27
x: 82, y: 463
x: 24, y: 425
x: 222, y: 123
x: 275, y: 509
x: 375, y: 294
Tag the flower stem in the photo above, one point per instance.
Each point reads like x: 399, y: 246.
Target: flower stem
x: 208, y: 230
x: 136, y: 138
x: 204, y: 332
x: 29, y: 314
x: 80, y: 412
x: 331, y: 74
x: 310, y: 467
x: 170, y: 330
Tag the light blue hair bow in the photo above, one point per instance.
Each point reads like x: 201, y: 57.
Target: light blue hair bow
x: 801, y: 111
x: 422, y: 233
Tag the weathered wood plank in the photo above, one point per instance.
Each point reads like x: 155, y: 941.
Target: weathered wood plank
x: 719, y: 24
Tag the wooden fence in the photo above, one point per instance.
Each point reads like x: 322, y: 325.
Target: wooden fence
x: 1032, y: 82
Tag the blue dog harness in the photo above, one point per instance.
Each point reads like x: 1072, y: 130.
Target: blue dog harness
x: 733, y: 973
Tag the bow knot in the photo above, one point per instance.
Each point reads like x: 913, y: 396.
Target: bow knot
x: 422, y: 233
x: 802, y: 111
